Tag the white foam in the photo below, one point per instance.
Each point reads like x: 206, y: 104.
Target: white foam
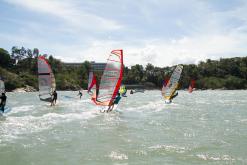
x: 169, y: 148
x: 114, y: 155
x: 215, y: 158
x: 15, y: 126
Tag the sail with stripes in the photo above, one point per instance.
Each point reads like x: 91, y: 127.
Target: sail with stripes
x: 2, y: 86
x: 47, y: 83
x: 172, y: 85
x: 111, y: 79
x: 91, y: 83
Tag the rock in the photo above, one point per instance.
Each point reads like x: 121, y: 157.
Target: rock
x: 26, y: 89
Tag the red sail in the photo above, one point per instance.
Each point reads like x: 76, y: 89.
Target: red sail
x: 111, y: 79
x: 91, y: 82
x: 192, y: 85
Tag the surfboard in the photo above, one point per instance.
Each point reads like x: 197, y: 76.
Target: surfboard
x: 6, y: 110
x: 104, y: 109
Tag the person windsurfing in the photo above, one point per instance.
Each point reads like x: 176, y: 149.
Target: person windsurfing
x: 110, y: 81
x: 80, y: 94
x: 3, y: 101
x: 54, y: 98
x: 125, y: 92
x: 115, y: 102
x: 175, y: 94
x: 110, y: 105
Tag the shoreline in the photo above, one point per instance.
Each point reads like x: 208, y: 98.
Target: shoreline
x: 22, y: 90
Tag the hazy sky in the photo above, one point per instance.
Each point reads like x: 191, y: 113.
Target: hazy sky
x: 160, y: 32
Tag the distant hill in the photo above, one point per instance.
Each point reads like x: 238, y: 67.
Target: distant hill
x: 226, y: 73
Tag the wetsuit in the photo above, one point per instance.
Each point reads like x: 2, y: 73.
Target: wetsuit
x: 80, y: 94
x: 54, y: 99
x: 117, y: 99
x: 174, y: 96
x: 3, y: 102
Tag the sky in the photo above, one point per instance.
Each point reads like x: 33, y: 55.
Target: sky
x: 161, y: 32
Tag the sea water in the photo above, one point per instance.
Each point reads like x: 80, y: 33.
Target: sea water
x: 204, y: 127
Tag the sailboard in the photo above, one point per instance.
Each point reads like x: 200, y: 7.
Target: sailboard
x: 47, y: 83
x: 191, y: 86
x: 111, y: 79
x: 6, y: 110
x: 91, y: 83
x: 171, y: 86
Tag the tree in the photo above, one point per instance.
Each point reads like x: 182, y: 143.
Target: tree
x: 5, y: 60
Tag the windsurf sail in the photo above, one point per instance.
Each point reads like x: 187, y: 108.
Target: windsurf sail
x: 111, y: 79
x: 47, y: 83
x: 2, y: 86
x: 172, y: 85
x: 192, y: 86
x: 165, y: 81
x: 91, y: 83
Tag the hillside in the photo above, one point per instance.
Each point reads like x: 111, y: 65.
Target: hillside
x: 230, y: 73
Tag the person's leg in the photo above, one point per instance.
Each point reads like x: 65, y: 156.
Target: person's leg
x: 111, y: 108
x: 52, y: 102
x: 1, y: 108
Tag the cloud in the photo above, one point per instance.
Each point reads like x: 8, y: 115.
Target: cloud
x: 70, y: 12
x: 159, y: 32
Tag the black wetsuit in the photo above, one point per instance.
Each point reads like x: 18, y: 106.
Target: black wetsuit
x: 117, y: 99
x: 174, y: 96
x: 3, y: 102
x: 54, y: 96
x: 80, y: 94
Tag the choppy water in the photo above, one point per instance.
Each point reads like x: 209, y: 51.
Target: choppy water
x: 205, y: 127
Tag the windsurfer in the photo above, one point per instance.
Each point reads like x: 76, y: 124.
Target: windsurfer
x: 175, y: 95
x: 116, y: 101
x: 80, y: 94
x: 3, y: 101
x: 54, y: 98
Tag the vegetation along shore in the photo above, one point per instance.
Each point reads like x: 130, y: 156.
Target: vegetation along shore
x: 19, y: 70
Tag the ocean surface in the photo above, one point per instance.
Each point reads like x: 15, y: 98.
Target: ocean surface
x: 205, y: 127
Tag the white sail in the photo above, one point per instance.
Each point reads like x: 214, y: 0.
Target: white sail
x: 111, y: 79
x: 47, y: 82
x: 170, y: 88
x: 2, y: 86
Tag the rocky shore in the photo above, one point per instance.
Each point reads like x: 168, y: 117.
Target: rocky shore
x: 27, y: 88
